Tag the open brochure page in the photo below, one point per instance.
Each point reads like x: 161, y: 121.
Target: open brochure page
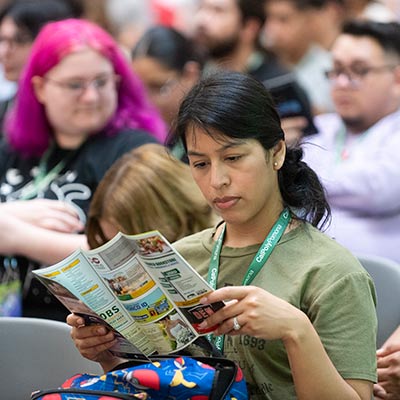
x: 150, y: 300
x: 182, y: 284
x: 82, y: 284
x: 122, y: 348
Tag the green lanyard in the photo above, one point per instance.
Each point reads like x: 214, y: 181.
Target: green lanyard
x: 43, y: 178
x: 256, y: 264
x: 340, y: 144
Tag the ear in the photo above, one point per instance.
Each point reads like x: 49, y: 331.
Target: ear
x: 278, y: 155
x: 38, y: 88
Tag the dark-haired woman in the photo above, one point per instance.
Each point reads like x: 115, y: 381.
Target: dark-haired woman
x: 168, y: 65
x: 300, y: 314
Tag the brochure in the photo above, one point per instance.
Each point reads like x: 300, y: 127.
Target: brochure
x: 138, y: 285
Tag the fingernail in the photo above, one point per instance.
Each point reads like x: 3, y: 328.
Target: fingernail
x: 203, y: 300
x: 101, y: 330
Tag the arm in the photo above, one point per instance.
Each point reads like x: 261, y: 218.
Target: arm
x: 50, y: 214
x: 388, y: 356
x: 314, y: 374
x: 43, y: 245
x: 93, y: 342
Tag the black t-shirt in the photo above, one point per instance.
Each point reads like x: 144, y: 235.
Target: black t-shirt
x: 75, y: 183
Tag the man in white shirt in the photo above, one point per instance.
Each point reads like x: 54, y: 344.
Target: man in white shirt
x: 357, y: 155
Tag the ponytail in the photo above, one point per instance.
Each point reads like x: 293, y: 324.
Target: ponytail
x: 302, y: 190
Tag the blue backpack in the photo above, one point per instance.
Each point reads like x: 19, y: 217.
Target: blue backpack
x: 181, y: 378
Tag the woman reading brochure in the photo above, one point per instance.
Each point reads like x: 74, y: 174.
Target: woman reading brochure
x: 300, y: 310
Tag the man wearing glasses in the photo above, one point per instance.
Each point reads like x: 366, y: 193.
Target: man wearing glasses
x: 357, y: 156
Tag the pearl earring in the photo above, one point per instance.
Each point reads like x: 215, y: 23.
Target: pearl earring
x: 275, y: 164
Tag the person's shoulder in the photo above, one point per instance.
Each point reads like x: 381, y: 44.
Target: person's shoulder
x: 135, y: 137
x: 328, y: 124
x: 327, y: 120
x: 195, y: 241
x: 120, y: 142
x: 325, y: 252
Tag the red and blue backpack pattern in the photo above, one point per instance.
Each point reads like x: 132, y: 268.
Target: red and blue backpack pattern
x: 182, y: 378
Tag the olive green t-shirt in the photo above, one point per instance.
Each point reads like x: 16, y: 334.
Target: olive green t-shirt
x: 318, y: 276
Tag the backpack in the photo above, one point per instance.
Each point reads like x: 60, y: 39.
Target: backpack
x: 180, y: 378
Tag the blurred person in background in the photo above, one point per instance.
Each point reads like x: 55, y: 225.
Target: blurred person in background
x: 20, y: 23
x: 327, y: 19
x: 147, y: 189
x: 288, y: 32
x: 356, y: 152
x: 356, y: 155
x: 168, y: 64
x: 78, y: 109
x: 228, y: 31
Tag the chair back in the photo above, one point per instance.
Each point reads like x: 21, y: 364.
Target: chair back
x: 37, y: 354
x: 386, y: 276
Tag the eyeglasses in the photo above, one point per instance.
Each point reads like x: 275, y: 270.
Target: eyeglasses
x: 17, y: 40
x: 76, y: 87
x: 355, y: 73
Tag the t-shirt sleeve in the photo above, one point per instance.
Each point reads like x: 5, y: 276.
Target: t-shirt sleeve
x: 345, y: 318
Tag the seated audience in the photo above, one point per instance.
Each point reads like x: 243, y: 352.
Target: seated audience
x: 78, y: 109
x: 356, y: 156
x: 290, y: 323
x: 356, y: 152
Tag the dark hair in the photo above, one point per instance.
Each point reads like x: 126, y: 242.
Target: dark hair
x: 387, y: 34
x: 252, y: 9
x: 167, y: 46
x: 238, y: 106
x: 31, y: 15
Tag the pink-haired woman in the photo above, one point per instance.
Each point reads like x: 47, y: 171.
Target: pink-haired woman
x: 79, y: 107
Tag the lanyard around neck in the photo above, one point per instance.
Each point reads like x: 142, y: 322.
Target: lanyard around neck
x: 340, y: 143
x: 43, y: 177
x: 256, y: 264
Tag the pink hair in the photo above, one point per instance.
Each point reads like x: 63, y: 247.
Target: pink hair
x: 27, y: 127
